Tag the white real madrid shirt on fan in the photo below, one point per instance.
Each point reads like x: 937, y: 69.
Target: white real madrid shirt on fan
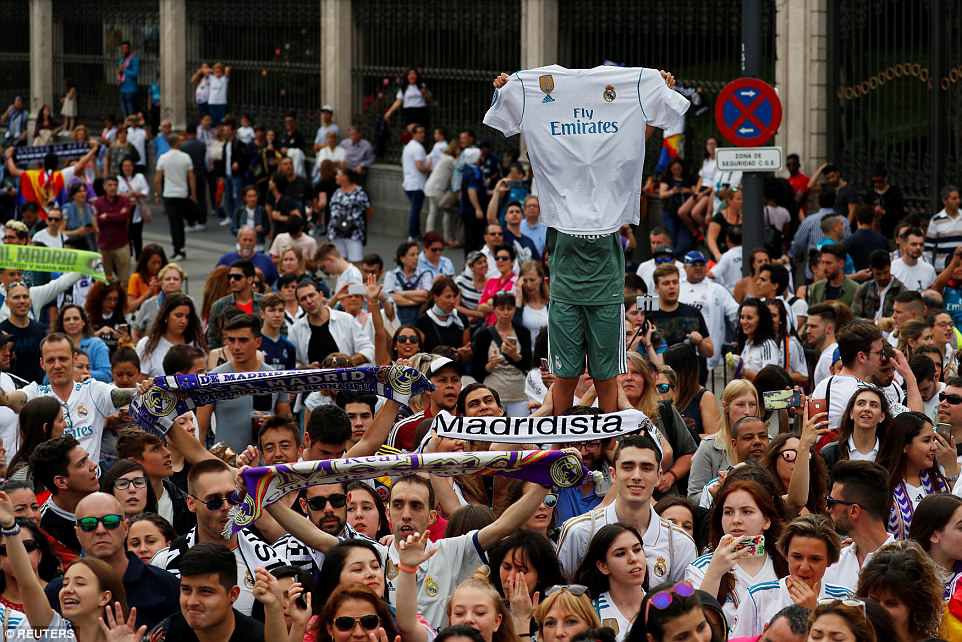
x: 585, y: 132
x: 717, y: 305
x: 612, y: 617
x: 668, y: 549
x: 695, y: 574
x: 84, y: 413
x: 766, y: 599
x: 251, y: 553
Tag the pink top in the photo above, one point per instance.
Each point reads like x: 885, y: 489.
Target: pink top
x: 493, y: 286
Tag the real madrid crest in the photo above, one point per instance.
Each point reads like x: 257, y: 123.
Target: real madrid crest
x: 431, y: 586
x: 249, y: 579
x: 661, y: 567
x: 609, y: 94
x: 391, y: 570
x: 546, y: 82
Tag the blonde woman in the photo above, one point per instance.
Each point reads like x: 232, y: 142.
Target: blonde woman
x: 714, y: 454
x: 564, y: 613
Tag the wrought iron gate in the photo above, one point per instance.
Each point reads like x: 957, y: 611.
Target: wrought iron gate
x: 86, y: 48
x: 15, y: 52
x: 897, y: 91
x: 273, y: 49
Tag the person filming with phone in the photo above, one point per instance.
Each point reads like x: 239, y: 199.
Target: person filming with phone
x: 502, y: 355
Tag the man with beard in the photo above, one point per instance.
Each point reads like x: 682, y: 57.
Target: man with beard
x: 247, y: 250
x: 835, y: 285
x: 910, y: 268
x: 858, y: 505
x: 820, y: 336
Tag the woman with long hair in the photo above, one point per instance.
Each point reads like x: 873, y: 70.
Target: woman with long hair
x: 914, y: 456
x: 133, y: 185
x: 504, y: 257
x: 177, y: 323
x: 675, y: 187
x: 366, y: 512
x: 810, y: 545
x: 502, y: 356
x: 697, y: 404
x: 565, y: 612
x: 865, y: 419
x: 739, y: 399
x: 405, y: 285
x: 215, y: 287
x: 40, y: 419
x: 839, y: 621
x: 72, y: 321
x: 127, y: 481
x: 354, y: 610
x: 756, y: 339
x: 440, y: 322
x: 172, y: 278
x: 79, y: 217
x: 730, y: 216
x: 914, y: 334
x: 148, y: 533
x: 531, y: 298
x: 105, y: 306
x: 937, y: 528
x: 406, y: 342
x: 144, y: 282
x: 671, y: 612
x: 615, y: 571
x: 737, y: 562
x: 791, y: 350
x: 524, y: 565
x: 903, y: 580
x: 477, y: 604
x: 412, y: 99
x: 784, y: 454
x: 44, y: 126
x: 89, y: 585
x: 119, y: 149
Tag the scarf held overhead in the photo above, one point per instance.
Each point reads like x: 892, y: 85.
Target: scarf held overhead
x: 554, y: 430
x: 51, y: 259
x: 169, y: 397
x: 267, y: 484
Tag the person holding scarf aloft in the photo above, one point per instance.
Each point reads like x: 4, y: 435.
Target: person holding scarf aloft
x: 915, y: 456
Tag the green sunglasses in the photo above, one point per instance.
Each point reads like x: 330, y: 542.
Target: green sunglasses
x: 89, y: 524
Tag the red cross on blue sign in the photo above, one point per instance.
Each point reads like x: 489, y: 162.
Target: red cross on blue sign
x: 748, y: 112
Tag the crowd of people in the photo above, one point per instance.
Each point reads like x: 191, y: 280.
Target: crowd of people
x: 799, y: 503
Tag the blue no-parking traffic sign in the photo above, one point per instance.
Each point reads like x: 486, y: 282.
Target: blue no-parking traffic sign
x: 748, y: 112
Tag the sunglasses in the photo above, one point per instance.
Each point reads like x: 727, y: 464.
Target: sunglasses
x: 663, y: 388
x: 235, y: 277
x: 89, y: 524
x: 858, y: 604
x: 502, y: 258
x: 407, y: 338
x: 662, y: 259
x: 952, y: 400
x: 435, y: 249
x: 124, y: 484
x: 789, y: 455
x: 346, y: 624
x: 337, y: 500
x: 29, y: 544
x: 574, y: 589
x: 832, y: 502
x: 216, y: 503
x: 55, y: 219
x: 663, y: 599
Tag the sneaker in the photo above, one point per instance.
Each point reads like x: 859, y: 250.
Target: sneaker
x: 200, y: 227
x: 179, y: 256
x: 190, y: 228
x: 224, y: 222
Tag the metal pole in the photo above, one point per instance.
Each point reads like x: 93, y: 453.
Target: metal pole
x: 936, y: 113
x: 751, y: 181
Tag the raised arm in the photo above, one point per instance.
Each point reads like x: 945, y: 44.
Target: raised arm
x: 513, y: 518
x: 412, y: 552
x: 35, y: 604
x: 301, y: 527
x: 812, y: 428
x: 375, y: 436
x: 12, y: 168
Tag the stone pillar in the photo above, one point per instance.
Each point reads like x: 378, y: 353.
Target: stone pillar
x: 41, y: 60
x: 539, y: 33
x: 801, y: 77
x: 337, y: 35
x: 173, y: 62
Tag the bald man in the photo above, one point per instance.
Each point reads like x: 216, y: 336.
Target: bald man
x: 102, y: 531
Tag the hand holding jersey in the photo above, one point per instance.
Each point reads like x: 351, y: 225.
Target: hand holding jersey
x: 585, y: 132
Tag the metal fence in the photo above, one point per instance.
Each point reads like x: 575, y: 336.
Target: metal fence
x: 273, y: 49
x: 698, y: 41
x: 15, y: 52
x: 86, y: 51
x: 458, y: 46
x: 895, y: 80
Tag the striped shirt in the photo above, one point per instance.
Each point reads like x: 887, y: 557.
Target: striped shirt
x: 757, y: 356
x: 613, y: 618
x: 470, y: 295
x: 942, y: 237
x: 695, y: 574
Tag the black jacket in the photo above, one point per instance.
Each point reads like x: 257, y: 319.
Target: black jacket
x: 184, y: 520
x: 482, y: 343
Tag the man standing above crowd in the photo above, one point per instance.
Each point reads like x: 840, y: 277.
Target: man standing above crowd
x: 820, y: 335
x: 358, y: 153
x: 414, y: 161
x: 835, y: 285
x: 944, y: 233
x: 175, y: 180
x: 113, y: 214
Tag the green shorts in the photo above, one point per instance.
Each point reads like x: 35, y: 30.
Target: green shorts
x: 597, y: 331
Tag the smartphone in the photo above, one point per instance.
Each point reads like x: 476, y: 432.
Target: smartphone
x: 544, y: 365
x: 754, y: 545
x: 781, y: 399
x: 944, y: 430
x: 123, y: 328
x: 511, y: 340
x: 647, y: 302
x: 816, y: 406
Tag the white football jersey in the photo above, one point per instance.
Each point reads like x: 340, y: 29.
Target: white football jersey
x: 585, y: 132
x: 85, y: 412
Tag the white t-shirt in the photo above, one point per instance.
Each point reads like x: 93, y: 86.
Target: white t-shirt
x: 585, y: 131
x: 914, y: 277
x: 707, y: 172
x: 351, y: 275
x: 84, y: 413
x: 137, y: 184
x: 823, y: 368
x: 202, y: 90
x: 695, y: 574
x: 646, y: 270
x: 152, y: 365
x: 175, y: 164
x: 728, y: 271
x: 45, y: 237
x: 843, y: 387
x: 218, y: 90
x: 336, y: 155
x: 411, y: 96
x: 766, y: 599
x: 718, y: 307
x: 137, y: 137
x: 757, y: 356
x: 845, y: 571
x: 414, y: 178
